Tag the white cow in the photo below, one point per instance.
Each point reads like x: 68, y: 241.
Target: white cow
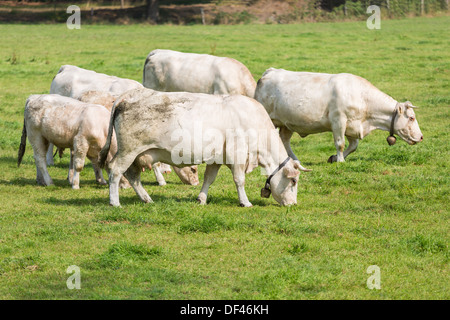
x: 167, y: 70
x: 345, y: 104
x: 74, y: 82
x: 66, y: 123
x: 92, y: 87
x: 188, y: 175
x: 151, y: 123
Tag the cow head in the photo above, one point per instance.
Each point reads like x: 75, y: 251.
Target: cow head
x: 405, y: 124
x: 283, y: 184
x: 188, y: 175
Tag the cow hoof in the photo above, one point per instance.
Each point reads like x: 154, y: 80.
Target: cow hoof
x: 201, y: 202
x: 75, y: 187
x: 332, y: 159
x: 246, y: 205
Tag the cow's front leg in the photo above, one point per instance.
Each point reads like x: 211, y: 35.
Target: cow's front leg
x: 49, y: 156
x: 209, y: 177
x: 238, y: 172
x: 339, y: 141
x: 133, y: 174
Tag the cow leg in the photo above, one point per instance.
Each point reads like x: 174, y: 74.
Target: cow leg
x: 353, y: 144
x: 70, y: 174
x: 80, y: 150
x: 98, y: 171
x: 158, y: 175
x: 40, y: 147
x: 209, y: 177
x: 285, y: 135
x: 49, y: 156
x: 339, y: 141
x: 117, y: 167
x: 238, y: 172
x: 133, y: 174
x: 165, y: 168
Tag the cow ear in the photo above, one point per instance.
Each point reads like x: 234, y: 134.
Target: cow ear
x: 400, y: 108
x: 290, y: 173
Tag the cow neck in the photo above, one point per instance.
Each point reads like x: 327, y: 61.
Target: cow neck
x: 381, y: 112
x: 267, y: 184
x: 272, y: 166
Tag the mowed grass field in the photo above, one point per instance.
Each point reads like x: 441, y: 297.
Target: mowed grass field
x: 385, y: 206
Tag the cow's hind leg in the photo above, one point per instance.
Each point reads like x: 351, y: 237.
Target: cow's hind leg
x: 285, y: 135
x: 352, y: 145
x: 80, y: 150
x: 209, y: 177
x: 40, y: 147
x: 133, y: 174
x: 49, y: 155
x: 70, y: 174
x: 118, y: 165
x: 158, y: 175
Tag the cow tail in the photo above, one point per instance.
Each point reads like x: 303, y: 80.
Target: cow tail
x: 105, y: 150
x: 23, y: 144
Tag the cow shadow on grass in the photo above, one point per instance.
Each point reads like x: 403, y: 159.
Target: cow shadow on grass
x: 104, y: 200
x: 59, y: 183
x: 128, y: 200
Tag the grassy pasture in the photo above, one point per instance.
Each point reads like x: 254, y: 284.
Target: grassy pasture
x: 386, y: 206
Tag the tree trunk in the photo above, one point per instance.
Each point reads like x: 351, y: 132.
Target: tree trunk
x: 153, y: 10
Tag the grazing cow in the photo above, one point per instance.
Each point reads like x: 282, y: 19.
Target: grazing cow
x: 67, y: 123
x: 188, y: 175
x: 345, y: 104
x: 98, y: 88
x: 72, y: 81
x: 75, y: 82
x: 151, y: 123
x: 167, y: 70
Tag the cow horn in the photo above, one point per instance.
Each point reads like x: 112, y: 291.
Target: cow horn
x: 298, y: 166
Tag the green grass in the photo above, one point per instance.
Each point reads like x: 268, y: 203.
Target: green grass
x: 386, y: 206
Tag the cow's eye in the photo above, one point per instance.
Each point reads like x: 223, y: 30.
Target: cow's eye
x: 412, y: 118
x: 193, y: 170
x: 294, y: 182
